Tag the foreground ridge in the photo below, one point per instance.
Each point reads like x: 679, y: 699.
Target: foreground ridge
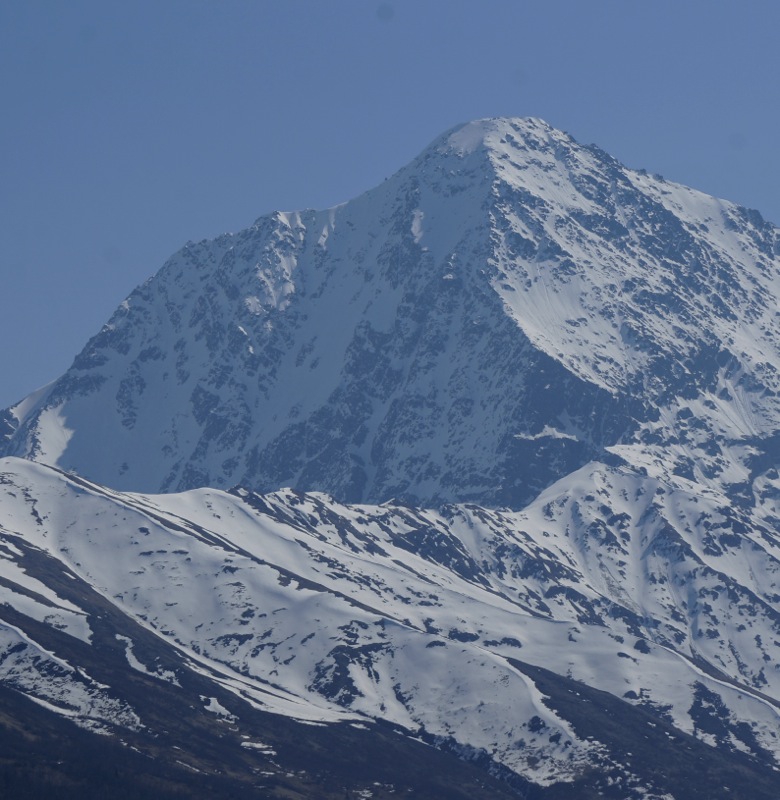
x: 535, y: 644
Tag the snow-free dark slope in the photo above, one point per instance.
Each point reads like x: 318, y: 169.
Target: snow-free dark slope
x: 483, y: 323
x: 262, y: 639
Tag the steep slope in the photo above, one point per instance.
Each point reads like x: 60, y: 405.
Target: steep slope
x: 594, y: 639
x: 483, y: 323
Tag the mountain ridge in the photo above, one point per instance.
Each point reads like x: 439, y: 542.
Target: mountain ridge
x: 439, y: 624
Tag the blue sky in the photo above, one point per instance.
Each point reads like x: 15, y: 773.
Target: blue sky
x: 130, y: 128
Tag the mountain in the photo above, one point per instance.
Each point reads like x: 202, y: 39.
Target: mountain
x: 465, y: 488
x: 505, y: 309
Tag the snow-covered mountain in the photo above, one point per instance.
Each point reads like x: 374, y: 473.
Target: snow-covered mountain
x: 528, y: 404
x: 491, y: 318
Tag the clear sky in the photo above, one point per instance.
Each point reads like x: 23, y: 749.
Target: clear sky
x: 128, y: 128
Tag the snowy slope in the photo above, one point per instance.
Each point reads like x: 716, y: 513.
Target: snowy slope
x: 486, y: 321
x: 326, y: 613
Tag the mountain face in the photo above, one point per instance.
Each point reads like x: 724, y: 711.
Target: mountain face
x: 505, y: 309
x: 465, y: 488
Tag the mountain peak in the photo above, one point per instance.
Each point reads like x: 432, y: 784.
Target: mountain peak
x: 507, y: 307
x: 493, y: 132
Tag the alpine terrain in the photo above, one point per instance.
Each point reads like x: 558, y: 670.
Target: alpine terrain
x: 466, y: 488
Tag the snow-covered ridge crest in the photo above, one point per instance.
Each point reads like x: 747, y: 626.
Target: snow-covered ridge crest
x: 491, y: 132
